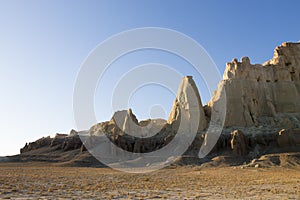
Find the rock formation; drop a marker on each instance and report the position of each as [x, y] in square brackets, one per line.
[181, 102]
[258, 90]
[262, 116]
[60, 141]
[127, 132]
[44, 141]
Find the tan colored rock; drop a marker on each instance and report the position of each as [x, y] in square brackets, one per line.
[73, 133]
[238, 143]
[186, 87]
[61, 135]
[267, 96]
[126, 122]
[258, 90]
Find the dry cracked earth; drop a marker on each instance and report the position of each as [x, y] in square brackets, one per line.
[45, 181]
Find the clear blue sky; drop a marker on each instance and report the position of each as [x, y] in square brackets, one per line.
[43, 44]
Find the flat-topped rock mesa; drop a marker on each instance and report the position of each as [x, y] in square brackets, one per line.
[255, 90]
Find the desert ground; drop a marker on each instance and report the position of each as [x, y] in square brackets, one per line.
[46, 181]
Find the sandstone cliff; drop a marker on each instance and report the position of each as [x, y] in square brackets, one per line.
[255, 90]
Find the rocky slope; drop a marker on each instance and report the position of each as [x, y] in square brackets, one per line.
[262, 118]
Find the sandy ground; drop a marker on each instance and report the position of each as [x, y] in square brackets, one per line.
[39, 181]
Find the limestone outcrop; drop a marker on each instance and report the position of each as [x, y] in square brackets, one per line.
[255, 90]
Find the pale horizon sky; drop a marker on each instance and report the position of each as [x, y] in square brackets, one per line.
[44, 43]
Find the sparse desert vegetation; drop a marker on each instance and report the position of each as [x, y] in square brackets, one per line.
[46, 181]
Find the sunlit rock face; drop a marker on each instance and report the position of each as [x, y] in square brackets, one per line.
[190, 106]
[255, 90]
[261, 103]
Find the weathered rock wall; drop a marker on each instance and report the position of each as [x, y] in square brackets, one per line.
[253, 91]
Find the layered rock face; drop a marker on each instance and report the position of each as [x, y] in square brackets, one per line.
[262, 90]
[63, 142]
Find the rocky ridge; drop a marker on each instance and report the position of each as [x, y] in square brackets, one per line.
[262, 118]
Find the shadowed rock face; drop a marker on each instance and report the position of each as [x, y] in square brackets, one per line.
[238, 143]
[45, 141]
[63, 142]
[288, 138]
